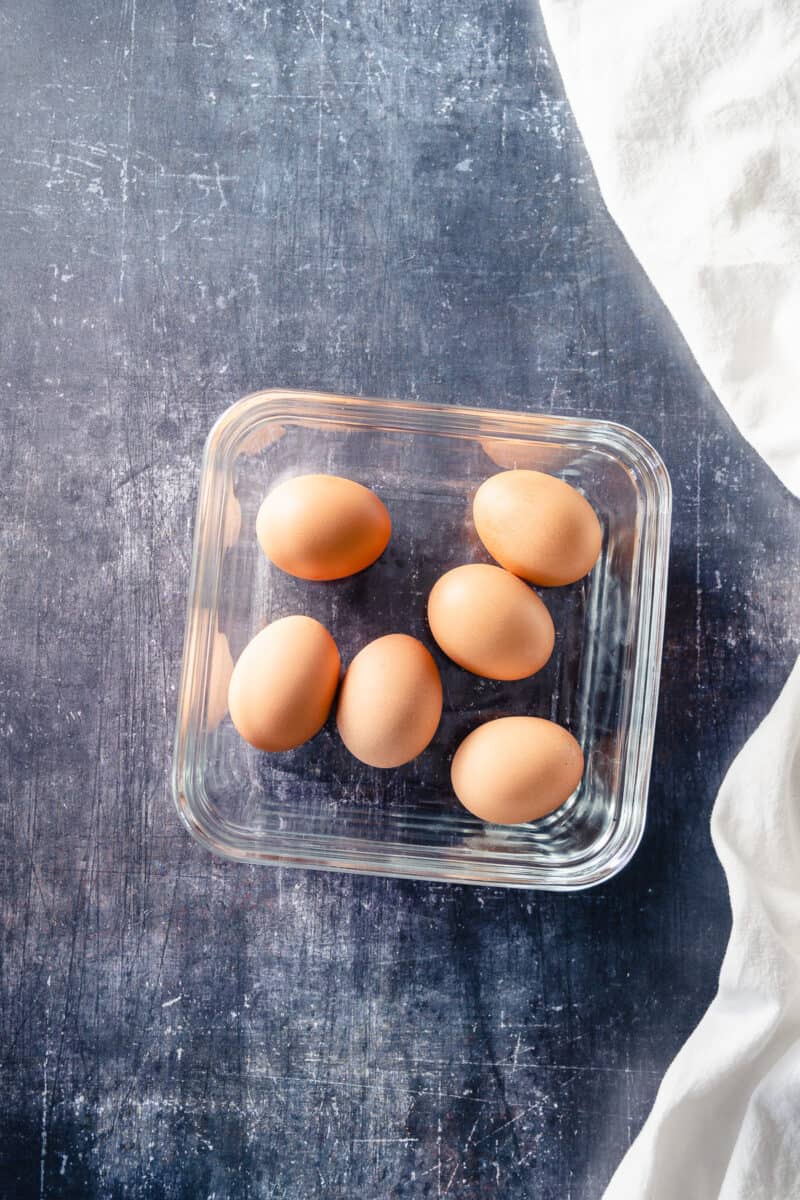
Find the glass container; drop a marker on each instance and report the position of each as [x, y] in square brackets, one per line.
[317, 806]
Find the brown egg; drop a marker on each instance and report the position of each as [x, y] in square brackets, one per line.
[391, 701]
[490, 622]
[322, 527]
[283, 684]
[537, 526]
[516, 769]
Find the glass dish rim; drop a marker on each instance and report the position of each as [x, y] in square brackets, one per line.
[387, 859]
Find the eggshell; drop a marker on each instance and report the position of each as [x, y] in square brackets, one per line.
[390, 703]
[516, 769]
[490, 622]
[322, 527]
[537, 526]
[283, 684]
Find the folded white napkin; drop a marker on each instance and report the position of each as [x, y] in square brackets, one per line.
[690, 110]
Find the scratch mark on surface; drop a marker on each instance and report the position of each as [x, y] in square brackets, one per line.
[223, 203]
[449, 1183]
[124, 164]
[492, 1136]
[386, 1141]
[515, 1057]
[320, 101]
[43, 1148]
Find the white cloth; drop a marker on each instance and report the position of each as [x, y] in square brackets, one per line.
[690, 110]
[726, 1121]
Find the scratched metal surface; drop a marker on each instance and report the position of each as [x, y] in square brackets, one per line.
[197, 200]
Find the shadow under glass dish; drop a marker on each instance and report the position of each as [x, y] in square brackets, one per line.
[319, 807]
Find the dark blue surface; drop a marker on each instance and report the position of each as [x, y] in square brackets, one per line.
[197, 200]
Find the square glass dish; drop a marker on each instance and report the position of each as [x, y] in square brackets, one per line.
[317, 806]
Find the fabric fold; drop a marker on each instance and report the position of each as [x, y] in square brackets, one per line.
[725, 1120]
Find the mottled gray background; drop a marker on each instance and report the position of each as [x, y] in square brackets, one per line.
[196, 200]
